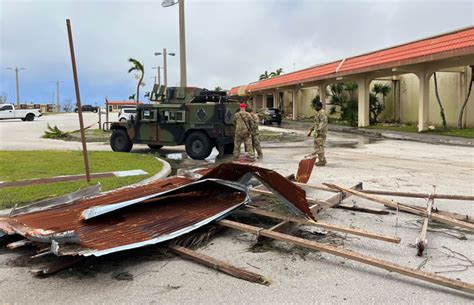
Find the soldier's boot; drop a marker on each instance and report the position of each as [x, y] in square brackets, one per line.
[259, 154]
[321, 160]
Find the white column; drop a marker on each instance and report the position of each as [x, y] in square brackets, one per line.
[363, 92]
[322, 94]
[423, 99]
[264, 100]
[276, 99]
[295, 102]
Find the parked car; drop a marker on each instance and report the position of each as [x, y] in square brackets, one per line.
[271, 115]
[126, 114]
[8, 111]
[88, 108]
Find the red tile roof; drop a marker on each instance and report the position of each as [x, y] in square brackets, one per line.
[123, 103]
[425, 50]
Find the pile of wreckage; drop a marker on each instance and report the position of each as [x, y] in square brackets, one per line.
[90, 223]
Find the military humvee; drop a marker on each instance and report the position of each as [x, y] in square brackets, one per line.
[198, 118]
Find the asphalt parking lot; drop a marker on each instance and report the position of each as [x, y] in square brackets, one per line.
[296, 276]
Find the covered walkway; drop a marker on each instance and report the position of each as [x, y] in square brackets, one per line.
[422, 58]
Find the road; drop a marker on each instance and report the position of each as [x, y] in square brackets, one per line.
[297, 276]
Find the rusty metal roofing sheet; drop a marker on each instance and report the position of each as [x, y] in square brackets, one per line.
[305, 168]
[152, 221]
[294, 195]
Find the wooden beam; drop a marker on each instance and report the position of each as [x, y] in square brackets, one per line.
[419, 195]
[334, 200]
[422, 242]
[219, 265]
[425, 276]
[363, 210]
[406, 208]
[302, 221]
[20, 243]
[461, 217]
[57, 265]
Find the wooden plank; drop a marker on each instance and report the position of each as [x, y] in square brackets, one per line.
[403, 207]
[334, 200]
[20, 243]
[219, 265]
[419, 195]
[425, 276]
[363, 210]
[302, 221]
[422, 242]
[461, 217]
[57, 265]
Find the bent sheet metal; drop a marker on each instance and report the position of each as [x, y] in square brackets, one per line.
[144, 215]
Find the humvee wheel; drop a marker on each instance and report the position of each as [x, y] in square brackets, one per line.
[229, 148]
[198, 146]
[119, 141]
[154, 146]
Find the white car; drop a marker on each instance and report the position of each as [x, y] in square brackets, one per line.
[126, 114]
[8, 111]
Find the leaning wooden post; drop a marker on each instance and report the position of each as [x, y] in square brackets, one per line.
[78, 99]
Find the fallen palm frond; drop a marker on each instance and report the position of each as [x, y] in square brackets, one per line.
[55, 133]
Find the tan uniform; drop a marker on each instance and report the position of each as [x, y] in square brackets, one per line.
[255, 135]
[320, 129]
[244, 125]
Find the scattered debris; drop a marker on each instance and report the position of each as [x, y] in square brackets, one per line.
[179, 208]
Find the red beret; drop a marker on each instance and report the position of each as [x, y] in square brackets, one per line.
[243, 105]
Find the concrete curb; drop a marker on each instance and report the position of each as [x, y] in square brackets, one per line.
[406, 136]
[163, 173]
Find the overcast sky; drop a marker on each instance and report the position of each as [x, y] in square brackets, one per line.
[229, 42]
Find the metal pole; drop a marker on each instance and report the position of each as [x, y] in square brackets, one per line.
[17, 88]
[58, 107]
[106, 113]
[182, 44]
[78, 98]
[165, 68]
[159, 74]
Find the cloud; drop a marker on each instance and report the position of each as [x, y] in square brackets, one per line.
[228, 42]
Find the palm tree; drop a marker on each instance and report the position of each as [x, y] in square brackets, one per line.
[441, 108]
[461, 111]
[264, 75]
[382, 89]
[137, 66]
[350, 87]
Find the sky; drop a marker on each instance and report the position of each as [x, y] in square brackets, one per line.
[228, 42]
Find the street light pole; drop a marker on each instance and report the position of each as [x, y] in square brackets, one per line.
[182, 44]
[158, 74]
[58, 105]
[17, 84]
[182, 38]
[165, 65]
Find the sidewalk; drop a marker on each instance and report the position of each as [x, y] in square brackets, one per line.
[389, 134]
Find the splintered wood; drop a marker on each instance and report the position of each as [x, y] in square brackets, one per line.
[425, 276]
[406, 208]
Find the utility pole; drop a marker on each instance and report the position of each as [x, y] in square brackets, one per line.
[58, 104]
[17, 84]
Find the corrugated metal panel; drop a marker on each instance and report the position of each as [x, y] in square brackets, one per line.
[305, 168]
[293, 194]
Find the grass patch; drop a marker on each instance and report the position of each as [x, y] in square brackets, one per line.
[92, 135]
[21, 165]
[272, 136]
[454, 132]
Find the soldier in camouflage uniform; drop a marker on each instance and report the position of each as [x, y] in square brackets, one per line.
[255, 133]
[320, 128]
[244, 125]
